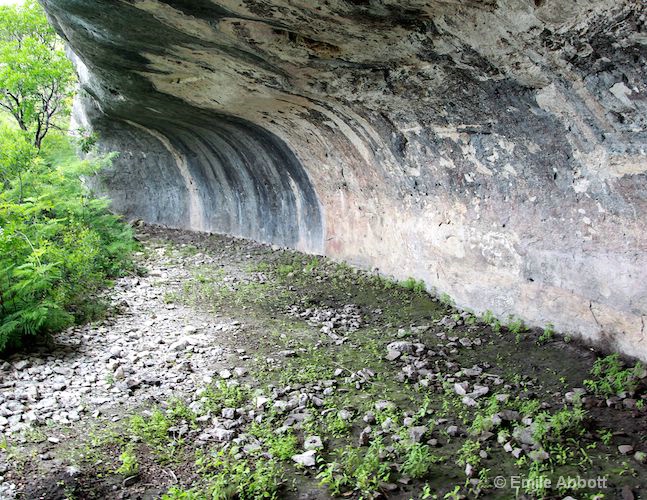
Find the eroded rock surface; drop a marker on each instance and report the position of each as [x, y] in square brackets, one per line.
[495, 149]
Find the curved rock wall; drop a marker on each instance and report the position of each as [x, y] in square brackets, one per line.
[496, 149]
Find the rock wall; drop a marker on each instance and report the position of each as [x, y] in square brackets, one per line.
[496, 149]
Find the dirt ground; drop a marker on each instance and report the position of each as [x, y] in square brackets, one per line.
[229, 369]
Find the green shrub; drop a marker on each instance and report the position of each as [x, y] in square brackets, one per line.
[59, 245]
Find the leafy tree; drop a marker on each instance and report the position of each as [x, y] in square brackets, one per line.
[59, 245]
[36, 78]
[17, 156]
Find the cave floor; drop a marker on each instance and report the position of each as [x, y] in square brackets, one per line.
[229, 369]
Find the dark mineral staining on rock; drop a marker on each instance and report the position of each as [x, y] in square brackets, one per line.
[358, 129]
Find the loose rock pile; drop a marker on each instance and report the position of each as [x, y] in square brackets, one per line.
[152, 350]
[333, 322]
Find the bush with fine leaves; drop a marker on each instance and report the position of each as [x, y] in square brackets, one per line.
[58, 244]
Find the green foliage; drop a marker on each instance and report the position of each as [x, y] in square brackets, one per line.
[312, 265]
[283, 447]
[536, 480]
[284, 270]
[279, 446]
[155, 431]
[469, 453]
[419, 461]
[490, 319]
[152, 430]
[58, 244]
[606, 436]
[554, 428]
[86, 140]
[129, 463]
[16, 154]
[611, 378]
[357, 470]
[414, 285]
[446, 299]
[336, 425]
[528, 407]
[231, 477]
[176, 493]
[548, 334]
[517, 327]
[454, 494]
[179, 411]
[224, 395]
[36, 78]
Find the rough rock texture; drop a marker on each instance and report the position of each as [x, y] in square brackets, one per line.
[496, 149]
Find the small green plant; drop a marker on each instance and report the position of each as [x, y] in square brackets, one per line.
[284, 270]
[34, 435]
[489, 319]
[171, 297]
[536, 480]
[528, 407]
[385, 282]
[223, 395]
[283, 447]
[547, 335]
[279, 446]
[336, 425]
[454, 494]
[176, 493]
[611, 378]
[484, 479]
[471, 319]
[357, 470]
[517, 328]
[469, 453]
[414, 285]
[129, 463]
[312, 265]
[229, 476]
[155, 430]
[419, 461]
[179, 411]
[446, 299]
[554, 428]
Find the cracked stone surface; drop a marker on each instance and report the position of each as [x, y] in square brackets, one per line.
[496, 149]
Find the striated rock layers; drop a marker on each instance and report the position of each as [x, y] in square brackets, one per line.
[496, 149]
